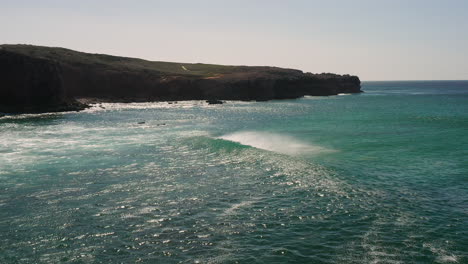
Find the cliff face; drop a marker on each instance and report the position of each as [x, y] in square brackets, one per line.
[30, 85]
[41, 79]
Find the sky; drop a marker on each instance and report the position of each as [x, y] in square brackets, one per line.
[374, 39]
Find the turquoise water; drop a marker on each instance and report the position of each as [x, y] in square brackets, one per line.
[379, 177]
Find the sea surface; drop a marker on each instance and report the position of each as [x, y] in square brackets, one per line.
[377, 177]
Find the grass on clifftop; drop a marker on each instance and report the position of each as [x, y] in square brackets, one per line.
[80, 58]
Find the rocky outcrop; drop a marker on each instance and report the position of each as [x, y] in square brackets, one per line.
[30, 85]
[214, 101]
[42, 79]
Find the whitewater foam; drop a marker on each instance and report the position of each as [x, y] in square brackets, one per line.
[274, 142]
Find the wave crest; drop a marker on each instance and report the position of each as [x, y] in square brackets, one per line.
[274, 142]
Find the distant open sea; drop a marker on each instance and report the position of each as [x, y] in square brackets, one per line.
[377, 177]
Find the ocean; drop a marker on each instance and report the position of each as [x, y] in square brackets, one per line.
[377, 177]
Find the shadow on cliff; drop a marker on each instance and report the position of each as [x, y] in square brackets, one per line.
[42, 79]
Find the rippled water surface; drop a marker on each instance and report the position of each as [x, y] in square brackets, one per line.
[379, 177]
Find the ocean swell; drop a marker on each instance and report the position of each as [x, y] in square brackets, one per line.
[274, 142]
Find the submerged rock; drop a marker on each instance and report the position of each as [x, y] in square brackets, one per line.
[214, 101]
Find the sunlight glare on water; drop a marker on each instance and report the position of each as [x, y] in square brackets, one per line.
[378, 177]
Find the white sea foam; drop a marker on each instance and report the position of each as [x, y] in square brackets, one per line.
[274, 142]
[443, 256]
[236, 206]
[149, 105]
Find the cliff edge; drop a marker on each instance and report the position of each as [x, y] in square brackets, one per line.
[42, 79]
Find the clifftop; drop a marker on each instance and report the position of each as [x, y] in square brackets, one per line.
[133, 64]
[38, 79]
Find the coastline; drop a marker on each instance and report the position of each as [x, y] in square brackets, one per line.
[41, 79]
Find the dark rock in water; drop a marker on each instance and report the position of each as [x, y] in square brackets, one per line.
[213, 101]
[37, 79]
[162, 124]
[141, 123]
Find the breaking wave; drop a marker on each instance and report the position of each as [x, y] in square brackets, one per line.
[274, 142]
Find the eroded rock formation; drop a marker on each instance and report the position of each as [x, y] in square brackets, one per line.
[42, 79]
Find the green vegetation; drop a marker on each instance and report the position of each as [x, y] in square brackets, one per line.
[100, 60]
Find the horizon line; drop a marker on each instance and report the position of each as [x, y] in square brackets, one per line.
[222, 64]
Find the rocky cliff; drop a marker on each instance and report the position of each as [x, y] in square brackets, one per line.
[43, 79]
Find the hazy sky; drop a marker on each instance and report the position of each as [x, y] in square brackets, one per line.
[376, 40]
